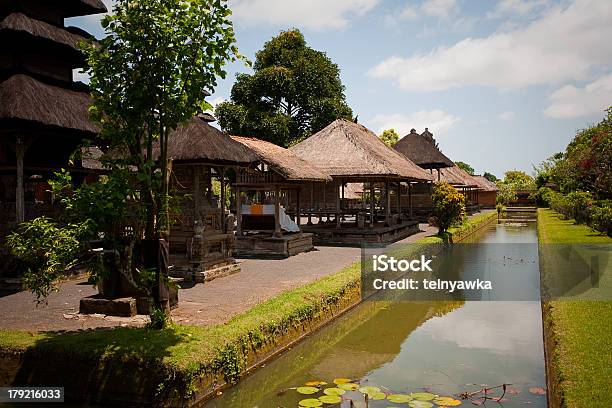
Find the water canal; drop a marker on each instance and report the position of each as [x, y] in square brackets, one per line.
[440, 347]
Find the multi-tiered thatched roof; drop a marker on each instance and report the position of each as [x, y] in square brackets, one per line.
[27, 99]
[348, 150]
[423, 150]
[283, 161]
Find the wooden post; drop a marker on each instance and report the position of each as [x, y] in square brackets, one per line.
[222, 199]
[387, 203]
[438, 174]
[238, 212]
[372, 204]
[410, 199]
[196, 193]
[338, 202]
[324, 203]
[19, 191]
[312, 186]
[399, 198]
[299, 216]
[277, 227]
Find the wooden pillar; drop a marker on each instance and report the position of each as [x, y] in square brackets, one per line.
[298, 220]
[410, 199]
[196, 193]
[222, 199]
[238, 212]
[20, 190]
[372, 204]
[277, 227]
[387, 203]
[399, 198]
[338, 202]
[438, 174]
[324, 202]
[312, 186]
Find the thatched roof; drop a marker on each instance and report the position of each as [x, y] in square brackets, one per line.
[422, 150]
[347, 149]
[197, 141]
[26, 98]
[486, 185]
[83, 7]
[353, 191]
[22, 23]
[457, 176]
[285, 162]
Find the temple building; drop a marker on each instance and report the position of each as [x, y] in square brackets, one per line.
[44, 114]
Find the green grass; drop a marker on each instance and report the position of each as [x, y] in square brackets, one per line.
[178, 355]
[581, 360]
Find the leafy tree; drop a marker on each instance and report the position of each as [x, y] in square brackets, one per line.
[491, 177]
[389, 137]
[506, 192]
[469, 169]
[448, 206]
[520, 180]
[295, 91]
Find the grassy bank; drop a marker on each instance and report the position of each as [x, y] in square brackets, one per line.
[577, 331]
[177, 359]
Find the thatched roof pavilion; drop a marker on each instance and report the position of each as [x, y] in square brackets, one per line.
[290, 166]
[423, 150]
[485, 184]
[349, 150]
[198, 142]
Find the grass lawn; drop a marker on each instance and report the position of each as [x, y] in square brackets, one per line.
[581, 361]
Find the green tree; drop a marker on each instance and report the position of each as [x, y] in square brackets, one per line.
[448, 206]
[294, 91]
[389, 137]
[520, 180]
[506, 192]
[491, 177]
[469, 169]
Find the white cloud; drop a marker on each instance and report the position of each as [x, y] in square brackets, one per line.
[565, 44]
[315, 14]
[517, 7]
[572, 102]
[432, 8]
[509, 115]
[438, 121]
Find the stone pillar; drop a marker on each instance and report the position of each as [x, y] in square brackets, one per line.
[222, 199]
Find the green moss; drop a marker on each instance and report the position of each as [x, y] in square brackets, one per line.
[580, 360]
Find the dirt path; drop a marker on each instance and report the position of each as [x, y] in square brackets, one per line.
[202, 304]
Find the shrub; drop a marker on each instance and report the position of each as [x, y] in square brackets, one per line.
[601, 219]
[579, 204]
[448, 206]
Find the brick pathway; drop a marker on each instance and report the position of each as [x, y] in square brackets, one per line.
[202, 304]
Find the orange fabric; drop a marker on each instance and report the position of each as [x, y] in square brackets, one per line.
[257, 209]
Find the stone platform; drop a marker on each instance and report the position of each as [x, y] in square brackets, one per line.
[266, 246]
[351, 235]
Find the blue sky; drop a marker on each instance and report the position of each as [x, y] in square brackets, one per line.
[501, 84]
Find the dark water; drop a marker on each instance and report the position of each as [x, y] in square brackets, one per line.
[442, 347]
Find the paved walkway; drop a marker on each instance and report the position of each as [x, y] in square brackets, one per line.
[202, 304]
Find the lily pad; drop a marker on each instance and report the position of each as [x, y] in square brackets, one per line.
[330, 399]
[342, 380]
[423, 396]
[310, 402]
[369, 389]
[348, 386]
[334, 391]
[315, 383]
[537, 390]
[420, 404]
[446, 401]
[307, 390]
[377, 395]
[399, 398]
